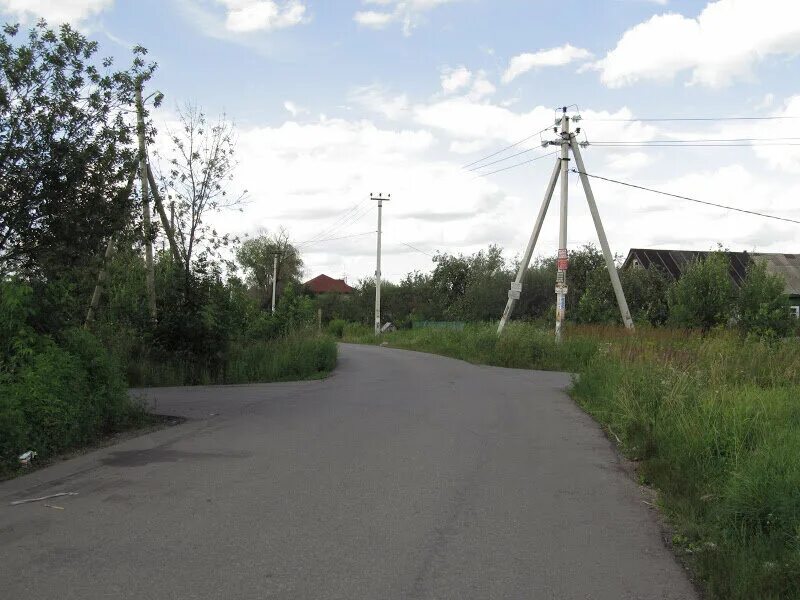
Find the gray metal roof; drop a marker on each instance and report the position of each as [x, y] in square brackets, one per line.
[674, 262]
[785, 265]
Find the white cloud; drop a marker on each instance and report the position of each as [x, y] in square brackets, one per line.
[553, 57]
[293, 108]
[54, 11]
[481, 87]
[262, 15]
[377, 99]
[722, 44]
[455, 79]
[407, 12]
[319, 170]
[373, 19]
[766, 102]
[627, 162]
[781, 158]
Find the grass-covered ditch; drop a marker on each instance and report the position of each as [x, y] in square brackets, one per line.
[713, 423]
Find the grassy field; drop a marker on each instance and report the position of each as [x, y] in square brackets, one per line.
[713, 423]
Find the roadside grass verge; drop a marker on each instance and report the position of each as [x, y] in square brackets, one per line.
[294, 357]
[713, 423]
[521, 346]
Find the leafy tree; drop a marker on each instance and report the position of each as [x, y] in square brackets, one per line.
[703, 297]
[646, 291]
[66, 151]
[470, 288]
[762, 308]
[538, 297]
[449, 279]
[256, 257]
[583, 263]
[294, 311]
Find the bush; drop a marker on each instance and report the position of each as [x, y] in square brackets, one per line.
[763, 306]
[703, 297]
[336, 328]
[55, 394]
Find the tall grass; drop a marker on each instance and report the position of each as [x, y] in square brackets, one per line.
[521, 346]
[712, 421]
[715, 426]
[297, 356]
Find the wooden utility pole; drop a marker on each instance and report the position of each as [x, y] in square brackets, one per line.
[167, 223]
[150, 278]
[102, 274]
[98, 288]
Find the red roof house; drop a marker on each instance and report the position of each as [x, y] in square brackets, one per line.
[322, 284]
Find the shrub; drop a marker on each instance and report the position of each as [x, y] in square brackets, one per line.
[703, 297]
[763, 306]
[336, 328]
[55, 394]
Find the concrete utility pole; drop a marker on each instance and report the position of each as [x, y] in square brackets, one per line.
[380, 200]
[274, 279]
[601, 233]
[150, 279]
[563, 259]
[566, 142]
[516, 286]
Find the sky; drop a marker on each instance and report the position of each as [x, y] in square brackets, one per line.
[335, 100]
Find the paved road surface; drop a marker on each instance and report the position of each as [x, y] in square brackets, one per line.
[404, 475]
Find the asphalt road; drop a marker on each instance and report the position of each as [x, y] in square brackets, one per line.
[404, 475]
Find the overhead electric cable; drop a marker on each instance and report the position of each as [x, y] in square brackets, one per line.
[344, 237]
[349, 220]
[417, 249]
[336, 223]
[697, 140]
[646, 189]
[518, 164]
[702, 145]
[514, 145]
[658, 119]
[499, 160]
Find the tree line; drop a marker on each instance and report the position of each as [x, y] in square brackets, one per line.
[473, 288]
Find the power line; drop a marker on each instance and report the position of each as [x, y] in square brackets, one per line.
[499, 160]
[659, 119]
[518, 164]
[698, 141]
[685, 145]
[337, 223]
[344, 224]
[514, 145]
[646, 189]
[344, 237]
[417, 249]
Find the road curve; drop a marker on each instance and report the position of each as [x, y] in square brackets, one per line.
[403, 475]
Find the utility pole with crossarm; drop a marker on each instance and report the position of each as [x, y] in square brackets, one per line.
[568, 144]
[380, 199]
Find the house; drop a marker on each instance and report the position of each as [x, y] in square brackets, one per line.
[322, 284]
[675, 262]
